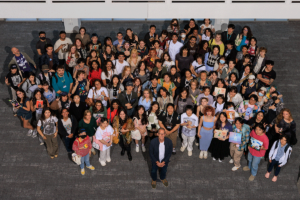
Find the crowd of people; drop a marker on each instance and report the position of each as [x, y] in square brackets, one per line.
[211, 89]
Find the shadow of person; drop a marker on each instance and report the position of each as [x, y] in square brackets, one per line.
[6, 69]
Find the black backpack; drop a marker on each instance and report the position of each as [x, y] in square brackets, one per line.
[56, 79]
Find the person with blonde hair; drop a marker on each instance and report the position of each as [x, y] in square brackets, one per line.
[126, 75]
[134, 59]
[89, 124]
[147, 99]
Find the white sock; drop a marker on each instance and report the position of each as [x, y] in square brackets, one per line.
[137, 145]
[143, 144]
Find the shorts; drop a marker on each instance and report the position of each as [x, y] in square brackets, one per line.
[26, 116]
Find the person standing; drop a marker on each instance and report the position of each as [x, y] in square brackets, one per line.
[173, 46]
[62, 81]
[160, 153]
[61, 47]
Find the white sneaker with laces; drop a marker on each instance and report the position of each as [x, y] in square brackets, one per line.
[201, 155]
[102, 163]
[231, 161]
[29, 133]
[190, 153]
[214, 159]
[182, 149]
[108, 160]
[34, 133]
[143, 149]
[137, 148]
[205, 154]
[220, 160]
[235, 168]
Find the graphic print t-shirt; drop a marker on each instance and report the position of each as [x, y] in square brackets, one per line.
[68, 125]
[104, 135]
[192, 121]
[48, 125]
[81, 90]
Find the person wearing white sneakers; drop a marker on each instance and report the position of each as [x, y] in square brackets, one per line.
[82, 147]
[189, 122]
[140, 122]
[220, 146]
[104, 138]
[237, 150]
[205, 130]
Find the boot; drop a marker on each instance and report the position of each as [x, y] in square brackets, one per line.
[122, 152]
[129, 156]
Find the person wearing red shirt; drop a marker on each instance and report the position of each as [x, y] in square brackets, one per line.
[256, 153]
[95, 72]
[113, 110]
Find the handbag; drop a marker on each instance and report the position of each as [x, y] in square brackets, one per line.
[76, 158]
[95, 144]
[136, 135]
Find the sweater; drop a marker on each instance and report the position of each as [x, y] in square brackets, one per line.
[77, 112]
[90, 128]
[86, 144]
[14, 61]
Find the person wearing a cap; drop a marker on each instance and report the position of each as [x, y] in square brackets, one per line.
[46, 75]
[22, 61]
[50, 58]
[82, 147]
[14, 79]
[249, 87]
[94, 44]
[267, 75]
[129, 99]
[61, 46]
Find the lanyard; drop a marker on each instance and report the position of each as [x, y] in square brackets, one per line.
[129, 99]
[229, 36]
[170, 118]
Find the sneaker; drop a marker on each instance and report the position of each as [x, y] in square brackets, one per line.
[220, 160]
[29, 133]
[108, 160]
[165, 182]
[51, 157]
[42, 143]
[137, 149]
[182, 149]
[56, 156]
[34, 133]
[196, 143]
[214, 159]
[190, 153]
[174, 152]
[91, 167]
[153, 184]
[102, 163]
[82, 172]
[201, 155]
[246, 168]
[143, 149]
[251, 178]
[231, 161]
[235, 168]
[205, 154]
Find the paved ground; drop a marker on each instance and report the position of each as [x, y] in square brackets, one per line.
[26, 172]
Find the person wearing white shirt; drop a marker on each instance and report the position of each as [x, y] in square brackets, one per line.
[173, 46]
[98, 93]
[160, 152]
[120, 63]
[234, 96]
[61, 46]
[104, 139]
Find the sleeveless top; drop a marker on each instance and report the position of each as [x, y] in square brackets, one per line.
[208, 124]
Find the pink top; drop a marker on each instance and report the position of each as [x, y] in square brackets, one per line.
[263, 139]
[86, 143]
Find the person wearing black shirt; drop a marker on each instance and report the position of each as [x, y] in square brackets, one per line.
[267, 75]
[170, 121]
[77, 108]
[42, 43]
[50, 58]
[229, 35]
[129, 99]
[14, 80]
[150, 36]
[189, 28]
[230, 52]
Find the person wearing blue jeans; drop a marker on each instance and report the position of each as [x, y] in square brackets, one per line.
[160, 152]
[253, 163]
[85, 159]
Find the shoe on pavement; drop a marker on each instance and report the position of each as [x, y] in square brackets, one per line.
[91, 167]
[251, 178]
[56, 156]
[201, 155]
[246, 168]
[231, 161]
[34, 133]
[82, 172]
[182, 149]
[214, 159]
[29, 133]
[190, 153]
[235, 168]
[220, 160]
[143, 149]
[165, 182]
[174, 152]
[153, 184]
[205, 154]
[102, 163]
[42, 143]
[108, 160]
[137, 148]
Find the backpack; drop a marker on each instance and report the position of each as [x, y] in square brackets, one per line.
[285, 149]
[56, 79]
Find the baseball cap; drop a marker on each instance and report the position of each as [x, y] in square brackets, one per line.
[13, 67]
[45, 67]
[129, 83]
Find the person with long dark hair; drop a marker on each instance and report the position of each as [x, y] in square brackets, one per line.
[98, 111]
[164, 99]
[67, 127]
[211, 58]
[182, 100]
[259, 118]
[140, 121]
[114, 88]
[108, 71]
[95, 72]
[152, 115]
[123, 125]
[49, 132]
[243, 38]
[113, 110]
[24, 110]
[183, 60]
[220, 146]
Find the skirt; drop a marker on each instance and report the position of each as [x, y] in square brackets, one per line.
[219, 149]
[206, 137]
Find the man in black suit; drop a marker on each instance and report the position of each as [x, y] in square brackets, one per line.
[229, 35]
[150, 36]
[160, 153]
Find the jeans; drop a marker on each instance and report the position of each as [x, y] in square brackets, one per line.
[163, 172]
[253, 163]
[130, 112]
[272, 164]
[69, 143]
[85, 159]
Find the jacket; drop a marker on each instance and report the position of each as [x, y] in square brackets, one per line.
[85, 144]
[61, 129]
[287, 153]
[224, 37]
[154, 150]
[148, 85]
[123, 99]
[14, 61]
[45, 59]
[279, 106]
[245, 136]
[26, 85]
